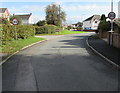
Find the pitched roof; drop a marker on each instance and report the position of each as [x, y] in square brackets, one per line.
[25, 16]
[94, 16]
[90, 18]
[2, 10]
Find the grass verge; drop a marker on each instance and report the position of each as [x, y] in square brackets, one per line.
[13, 46]
[65, 32]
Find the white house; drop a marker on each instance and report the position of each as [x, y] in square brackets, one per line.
[4, 13]
[91, 23]
[26, 18]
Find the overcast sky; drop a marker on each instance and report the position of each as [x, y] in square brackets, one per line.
[77, 10]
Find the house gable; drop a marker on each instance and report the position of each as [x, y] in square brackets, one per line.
[4, 13]
[25, 18]
[91, 22]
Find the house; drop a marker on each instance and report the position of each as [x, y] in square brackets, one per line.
[79, 24]
[25, 18]
[4, 13]
[75, 25]
[91, 23]
[117, 20]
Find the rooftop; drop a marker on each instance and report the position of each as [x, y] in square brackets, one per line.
[2, 10]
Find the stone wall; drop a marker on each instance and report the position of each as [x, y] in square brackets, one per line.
[103, 34]
[116, 40]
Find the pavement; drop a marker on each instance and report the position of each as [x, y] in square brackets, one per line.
[50, 37]
[61, 64]
[103, 48]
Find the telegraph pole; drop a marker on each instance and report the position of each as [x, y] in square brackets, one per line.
[112, 19]
[59, 15]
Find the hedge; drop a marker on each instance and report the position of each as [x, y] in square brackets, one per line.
[23, 32]
[47, 29]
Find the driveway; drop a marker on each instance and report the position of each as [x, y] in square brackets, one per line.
[61, 64]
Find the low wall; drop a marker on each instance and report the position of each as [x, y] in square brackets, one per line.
[116, 40]
[103, 34]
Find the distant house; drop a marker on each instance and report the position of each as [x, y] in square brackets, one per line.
[4, 13]
[25, 18]
[117, 20]
[91, 23]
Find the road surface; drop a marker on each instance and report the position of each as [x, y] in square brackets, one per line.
[62, 64]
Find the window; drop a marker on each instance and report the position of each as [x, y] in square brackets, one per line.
[95, 21]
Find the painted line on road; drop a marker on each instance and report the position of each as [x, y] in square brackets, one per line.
[108, 60]
[21, 50]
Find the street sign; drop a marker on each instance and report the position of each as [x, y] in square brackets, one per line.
[14, 21]
[111, 15]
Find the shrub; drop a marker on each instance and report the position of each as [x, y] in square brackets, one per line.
[23, 32]
[47, 29]
[4, 21]
[41, 23]
[79, 28]
[104, 26]
[69, 27]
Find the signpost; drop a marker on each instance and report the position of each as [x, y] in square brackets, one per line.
[15, 22]
[111, 16]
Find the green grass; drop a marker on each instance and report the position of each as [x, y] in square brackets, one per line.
[65, 32]
[13, 46]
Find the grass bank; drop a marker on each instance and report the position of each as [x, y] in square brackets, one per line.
[13, 46]
[65, 32]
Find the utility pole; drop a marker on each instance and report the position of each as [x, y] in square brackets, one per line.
[59, 15]
[111, 36]
[111, 19]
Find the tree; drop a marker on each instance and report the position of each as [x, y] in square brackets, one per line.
[103, 17]
[15, 17]
[104, 26]
[41, 23]
[79, 24]
[54, 15]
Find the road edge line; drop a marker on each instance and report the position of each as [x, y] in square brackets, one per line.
[107, 59]
[2, 62]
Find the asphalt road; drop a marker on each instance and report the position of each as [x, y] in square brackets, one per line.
[62, 64]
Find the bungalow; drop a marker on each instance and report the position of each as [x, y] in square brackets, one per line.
[91, 23]
[4, 13]
[25, 18]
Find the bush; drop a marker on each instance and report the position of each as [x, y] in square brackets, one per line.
[41, 23]
[23, 32]
[4, 21]
[79, 28]
[104, 26]
[47, 29]
[69, 27]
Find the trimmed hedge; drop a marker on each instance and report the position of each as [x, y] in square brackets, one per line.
[47, 29]
[23, 32]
